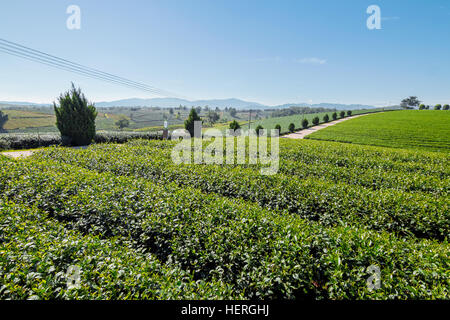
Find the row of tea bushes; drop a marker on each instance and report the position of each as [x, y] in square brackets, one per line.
[404, 213]
[37, 254]
[16, 141]
[256, 252]
[404, 170]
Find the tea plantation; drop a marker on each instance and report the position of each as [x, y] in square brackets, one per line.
[409, 129]
[140, 227]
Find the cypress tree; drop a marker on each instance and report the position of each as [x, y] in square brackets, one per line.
[75, 117]
[189, 122]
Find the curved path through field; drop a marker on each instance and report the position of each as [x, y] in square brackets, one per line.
[27, 153]
[305, 132]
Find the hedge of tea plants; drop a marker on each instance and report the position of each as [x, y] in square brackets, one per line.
[37, 252]
[32, 140]
[135, 237]
[406, 213]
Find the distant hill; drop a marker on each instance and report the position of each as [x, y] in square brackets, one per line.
[27, 104]
[175, 102]
[220, 103]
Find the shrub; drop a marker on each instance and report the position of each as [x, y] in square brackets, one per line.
[234, 125]
[122, 137]
[3, 120]
[278, 127]
[30, 141]
[259, 128]
[305, 123]
[422, 107]
[349, 113]
[316, 121]
[342, 114]
[75, 117]
[292, 127]
[189, 122]
[334, 115]
[326, 118]
[250, 249]
[437, 107]
[446, 107]
[122, 123]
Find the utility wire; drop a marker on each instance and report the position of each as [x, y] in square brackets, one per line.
[66, 68]
[76, 65]
[63, 64]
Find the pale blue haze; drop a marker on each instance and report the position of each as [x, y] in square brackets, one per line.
[272, 52]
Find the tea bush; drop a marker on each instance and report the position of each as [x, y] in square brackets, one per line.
[208, 246]
[331, 203]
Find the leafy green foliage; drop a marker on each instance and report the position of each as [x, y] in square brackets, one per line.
[122, 123]
[349, 113]
[305, 123]
[437, 107]
[285, 121]
[411, 101]
[402, 212]
[291, 127]
[213, 117]
[234, 125]
[446, 107]
[334, 116]
[259, 129]
[278, 127]
[198, 245]
[75, 117]
[342, 114]
[411, 129]
[189, 122]
[3, 120]
[326, 118]
[316, 121]
[30, 141]
[39, 251]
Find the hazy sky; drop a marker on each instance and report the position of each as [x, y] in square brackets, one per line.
[270, 52]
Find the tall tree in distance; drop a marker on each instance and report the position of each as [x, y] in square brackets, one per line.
[189, 122]
[75, 117]
[213, 117]
[3, 120]
[122, 123]
[411, 101]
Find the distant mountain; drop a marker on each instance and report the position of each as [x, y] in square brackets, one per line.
[220, 103]
[175, 102]
[19, 103]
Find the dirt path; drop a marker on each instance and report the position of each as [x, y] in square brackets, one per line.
[27, 153]
[303, 133]
[18, 154]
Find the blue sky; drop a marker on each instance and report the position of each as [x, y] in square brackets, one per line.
[271, 52]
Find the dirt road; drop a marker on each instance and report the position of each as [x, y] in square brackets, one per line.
[303, 133]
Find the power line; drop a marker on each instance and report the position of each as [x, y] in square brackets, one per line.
[46, 56]
[63, 64]
[66, 68]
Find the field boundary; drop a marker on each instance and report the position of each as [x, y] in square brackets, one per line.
[28, 153]
[305, 132]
